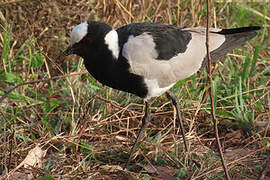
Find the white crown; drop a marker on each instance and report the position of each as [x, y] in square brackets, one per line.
[78, 33]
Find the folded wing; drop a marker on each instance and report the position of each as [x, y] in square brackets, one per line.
[165, 54]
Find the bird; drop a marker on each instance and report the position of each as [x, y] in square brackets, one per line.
[146, 59]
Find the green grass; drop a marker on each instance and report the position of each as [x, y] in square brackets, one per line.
[87, 128]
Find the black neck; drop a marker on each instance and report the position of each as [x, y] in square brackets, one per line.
[114, 72]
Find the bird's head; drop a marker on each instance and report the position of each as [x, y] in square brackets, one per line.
[90, 38]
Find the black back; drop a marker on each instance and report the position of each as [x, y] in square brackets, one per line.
[170, 40]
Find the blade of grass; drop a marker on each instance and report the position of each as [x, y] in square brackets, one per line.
[241, 101]
[215, 92]
[254, 60]
[6, 46]
[95, 14]
[244, 73]
[237, 105]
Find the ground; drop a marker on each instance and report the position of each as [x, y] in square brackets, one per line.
[80, 129]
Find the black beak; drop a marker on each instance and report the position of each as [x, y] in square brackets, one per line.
[67, 52]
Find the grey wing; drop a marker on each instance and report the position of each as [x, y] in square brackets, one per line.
[142, 55]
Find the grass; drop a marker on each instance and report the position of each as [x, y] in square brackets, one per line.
[88, 129]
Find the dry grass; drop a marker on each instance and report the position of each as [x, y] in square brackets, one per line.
[88, 129]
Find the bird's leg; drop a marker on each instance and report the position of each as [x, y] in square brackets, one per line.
[145, 120]
[175, 103]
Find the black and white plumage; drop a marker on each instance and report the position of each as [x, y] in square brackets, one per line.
[147, 59]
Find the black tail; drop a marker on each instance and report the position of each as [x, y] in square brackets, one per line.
[233, 38]
[239, 30]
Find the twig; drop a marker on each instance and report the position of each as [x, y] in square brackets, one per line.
[121, 6]
[266, 169]
[257, 13]
[230, 164]
[37, 81]
[10, 148]
[10, 2]
[209, 70]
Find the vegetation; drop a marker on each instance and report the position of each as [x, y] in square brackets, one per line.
[88, 129]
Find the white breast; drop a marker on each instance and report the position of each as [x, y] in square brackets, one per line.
[153, 88]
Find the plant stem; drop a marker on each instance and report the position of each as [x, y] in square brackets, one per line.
[210, 78]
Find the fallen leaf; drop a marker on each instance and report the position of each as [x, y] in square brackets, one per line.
[200, 150]
[121, 138]
[235, 154]
[164, 172]
[113, 168]
[33, 159]
[234, 134]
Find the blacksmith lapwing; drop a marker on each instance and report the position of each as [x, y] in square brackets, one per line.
[147, 59]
